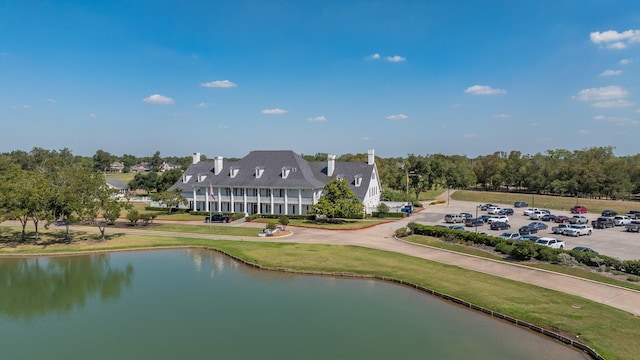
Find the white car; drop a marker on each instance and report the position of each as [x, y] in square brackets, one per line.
[530, 211]
[498, 218]
[510, 235]
[621, 220]
[550, 242]
[493, 210]
[538, 214]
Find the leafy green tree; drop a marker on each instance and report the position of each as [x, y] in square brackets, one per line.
[142, 181]
[383, 210]
[172, 199]
[167, 179]
[102, 160]
[338, 200]
[284, 221]
[156, 161]
[133, 216]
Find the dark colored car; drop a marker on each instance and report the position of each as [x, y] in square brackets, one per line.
[506, 211]
[609, 213]
[499, 225]
[579, 210]
[527, 230]
[467, 215]
[520, 204]
[484, 217]
[529, 237]
[548, 217]
[584, 249]
[603, 223]
[561, 219]
[538, 225]
[474, 222]
[217, 218]
[485, 206]
[456, 227]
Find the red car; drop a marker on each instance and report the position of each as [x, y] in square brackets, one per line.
[561, 219]
[579, 210]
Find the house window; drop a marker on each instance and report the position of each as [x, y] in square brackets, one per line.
[358, 180]
[259, 171]
[233, 172]
[286, 170]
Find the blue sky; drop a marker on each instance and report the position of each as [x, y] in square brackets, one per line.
[400, 77]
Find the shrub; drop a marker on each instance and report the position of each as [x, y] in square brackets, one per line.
[133, 216]
[633, 278]
[284, 221]
[546, 253]
[270, 226]
[566, 259]
[383, 210]
[437, 202]
[505, 247]
[402, 232]
[524, 250]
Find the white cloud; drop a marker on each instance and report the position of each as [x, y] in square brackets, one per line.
[202, 105]
[219, 84]
[317, 118]
[584, 132]
[618, 121]
[21, 107]
[158, 99]
[502, 116]
[612, 103]
[93, 116]
[395, 58]
[599, 117]
[638, 110]
[375, 56]
[50, 100]
[470, 136]
[625, 61]
[610, 72]
[615, 40]
[484, 90]
[275, 111]
[397, 117]
[601, 93]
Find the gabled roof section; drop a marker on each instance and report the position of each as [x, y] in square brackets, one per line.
[117, 184]
[349, 171]
[273, 161]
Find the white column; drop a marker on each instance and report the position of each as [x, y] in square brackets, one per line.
[206, 198]
[195, 203]
[231, 205]
[299, 201]
[244, 200]
[271, 194]
[219, 201]
[286, 201]
[259, 205]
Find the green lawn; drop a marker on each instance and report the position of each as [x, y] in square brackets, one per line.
[613, 333]
[347, 225]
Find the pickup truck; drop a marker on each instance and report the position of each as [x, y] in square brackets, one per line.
[579, 219]
[578, 230]
[603, 223]
[550, 242]
[634, 226]
[560, 228]
[217, 218]
[634, 214]
[621, 220]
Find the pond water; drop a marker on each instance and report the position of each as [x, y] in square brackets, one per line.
[185, 304]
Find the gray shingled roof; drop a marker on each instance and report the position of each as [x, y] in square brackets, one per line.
[118, 184]
[303, 174]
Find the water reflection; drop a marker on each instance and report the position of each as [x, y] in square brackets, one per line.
[35, 287]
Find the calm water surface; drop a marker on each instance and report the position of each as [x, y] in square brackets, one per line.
[188, 304]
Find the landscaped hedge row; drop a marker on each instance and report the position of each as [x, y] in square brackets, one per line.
[524, 250]
[166, 209]
[388, 215]
[234, 216]
[278, 216]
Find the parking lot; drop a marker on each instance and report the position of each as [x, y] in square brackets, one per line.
[615, 242]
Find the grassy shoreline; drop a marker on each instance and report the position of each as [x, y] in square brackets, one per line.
[613, 333]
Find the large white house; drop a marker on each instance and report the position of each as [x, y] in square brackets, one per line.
[273, 182]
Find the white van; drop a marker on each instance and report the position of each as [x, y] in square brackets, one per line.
[454, 218]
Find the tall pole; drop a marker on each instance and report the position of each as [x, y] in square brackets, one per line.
[407, 188]
[476, 226]
[448, 198]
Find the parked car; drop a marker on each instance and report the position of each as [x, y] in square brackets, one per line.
[621, 220]
[498, 225]
[634, 214]
[609, 213]
[527, 230]
[603, 223]
[633, 226]
[539, 225]
[579, 210]
[520, 204]
[548, 217]
[457, 227]
[474, 222]
[498, 218]
[510, 235]
[585, 249]
[579, 219]
[537, 215]
[550, 242]
[528, 237]
[578, 230]
[454, 218]
[529, 211]
[484, 207]
[493, 210]
[217, 218]
[506, 211]
[485, 217]
[466, 215]
[559, 229]
[561, 219]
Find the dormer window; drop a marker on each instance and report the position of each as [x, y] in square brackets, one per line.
[201, 177]
[358, 180]
[233, 171]
[340, 177]
[186, 178]
[286, 170]
[259, 171]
